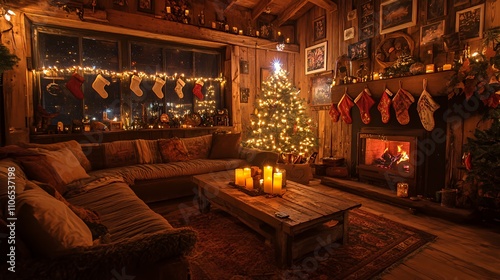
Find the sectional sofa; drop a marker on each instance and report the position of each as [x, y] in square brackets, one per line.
[81, 210]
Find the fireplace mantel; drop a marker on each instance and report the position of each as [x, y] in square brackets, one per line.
[436, 85]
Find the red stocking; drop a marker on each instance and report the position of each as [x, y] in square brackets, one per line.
[334, 113]
[345, 105]
[384, 106]
[197, 89]
[401, 102]
[364, 102]
[75, 85]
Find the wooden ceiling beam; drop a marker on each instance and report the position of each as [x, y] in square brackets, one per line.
[328, 5]
[289, 12]
[230, 5]
[260, 8]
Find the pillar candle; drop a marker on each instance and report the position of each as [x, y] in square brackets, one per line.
[277, 181]
[247, 172]
[249, 183]
[239, 178]
[268, 179]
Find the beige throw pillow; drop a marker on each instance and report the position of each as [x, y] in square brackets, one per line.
[48, 225]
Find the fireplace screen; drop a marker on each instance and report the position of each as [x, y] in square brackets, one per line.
[387, 152]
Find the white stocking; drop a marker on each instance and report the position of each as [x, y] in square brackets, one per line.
[98, 85]
[134, 85]
[157, 87]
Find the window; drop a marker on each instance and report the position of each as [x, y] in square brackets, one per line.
[136, 101]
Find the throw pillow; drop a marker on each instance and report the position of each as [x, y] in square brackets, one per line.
[57, 168]
[148, 151]
[120, 153]
[198, 147]
[72, 145]
[225, 146]
[47, 225]
[90, 217]
[172, 150]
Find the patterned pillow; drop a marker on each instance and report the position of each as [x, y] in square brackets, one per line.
[120, 153]
[72, 145]
[198, 147]
[172, 150]
[148, 151]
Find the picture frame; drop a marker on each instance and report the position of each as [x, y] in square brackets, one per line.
[321, 89]
[146, 6]
[244, 67]
[319, 27]
[359, 50]
[316, 58]
[366, 32]
[469, 23]
[367, 9]
[349, 33]
[366, 21]
[436, 9]
[432, 33]
[351, 15]
[244, 94]
[397, 14]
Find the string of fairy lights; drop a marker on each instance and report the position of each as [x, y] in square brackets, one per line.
[54, 71]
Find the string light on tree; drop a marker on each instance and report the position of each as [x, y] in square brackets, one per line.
[279, 122]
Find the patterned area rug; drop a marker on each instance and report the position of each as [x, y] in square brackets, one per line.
[228, 249]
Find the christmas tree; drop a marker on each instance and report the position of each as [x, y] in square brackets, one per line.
[279, 122]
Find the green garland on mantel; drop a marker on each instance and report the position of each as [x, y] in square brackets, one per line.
[7, 60]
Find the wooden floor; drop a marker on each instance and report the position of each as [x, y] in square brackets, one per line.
[459, 252]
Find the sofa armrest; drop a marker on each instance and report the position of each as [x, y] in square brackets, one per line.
[258, 157]
[106, 261]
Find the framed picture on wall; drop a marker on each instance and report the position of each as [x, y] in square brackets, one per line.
[359, 50]
[431, 33]
[146, 6]
[316, 58]
[436, 9]
[244, 94]
[397, 14]
[321, 89]
[319, 28]
[469, 22]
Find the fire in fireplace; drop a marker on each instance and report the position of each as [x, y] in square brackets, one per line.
[387, 157]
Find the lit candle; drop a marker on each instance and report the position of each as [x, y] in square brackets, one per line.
[186, 12]
[257, 33]
[235, 30]
[247, 172]
[213, 24]
[277, 181]
[226, 27]
[288, 40]
[239, 179]
[169, 10]
[268, 179]
[376, 76]
[447, 67]
[240, 32]
[249, 183]
[429, 68]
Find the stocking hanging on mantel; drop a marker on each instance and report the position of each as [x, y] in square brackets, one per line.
[426, 107]
[157, 87]
[178, 87]
[334, 112]
[364, 101]
[401, 102]
[384, 105]
[345, 105]
[98, 85]
[134, 85]
[75, 85]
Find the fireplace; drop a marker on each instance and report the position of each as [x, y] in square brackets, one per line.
[389, 156]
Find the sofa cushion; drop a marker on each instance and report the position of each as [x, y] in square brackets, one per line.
[120, 210]
[225, 146]
[148, 151]
[168, 170]
[72, 145]
[47, 225]
[120, 153]
[198, 147]
[58, 167]
[172, 150]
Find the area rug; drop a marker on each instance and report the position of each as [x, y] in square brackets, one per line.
[228, 249]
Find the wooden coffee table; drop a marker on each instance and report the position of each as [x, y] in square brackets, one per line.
[315, 214]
